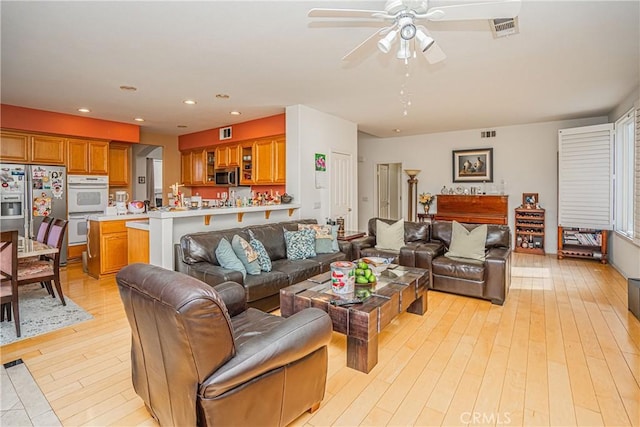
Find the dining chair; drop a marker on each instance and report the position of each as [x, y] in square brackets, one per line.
[9, 277]
[43, 230]
[47, 269]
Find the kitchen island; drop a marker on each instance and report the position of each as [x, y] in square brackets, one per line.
[167, 227]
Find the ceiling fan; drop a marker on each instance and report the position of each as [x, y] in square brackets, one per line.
[405, 16]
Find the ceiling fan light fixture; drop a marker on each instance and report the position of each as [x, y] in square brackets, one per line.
[404, 51]
[408, 31]
[384, 44]
[424, 40]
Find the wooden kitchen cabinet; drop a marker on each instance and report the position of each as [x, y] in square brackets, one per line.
[228, 156]
[194, 167]
[27, 148]
[107, 247]
[87, 157]
[270, 160]
[119, 164]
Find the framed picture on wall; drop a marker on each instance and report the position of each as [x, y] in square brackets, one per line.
[473, 165]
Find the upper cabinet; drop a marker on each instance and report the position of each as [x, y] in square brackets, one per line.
[227, 156]
[119, 164]
[25, 148]
[197, 167]
[269, 160]
[86, 157]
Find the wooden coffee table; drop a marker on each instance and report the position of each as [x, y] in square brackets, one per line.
[398, 289]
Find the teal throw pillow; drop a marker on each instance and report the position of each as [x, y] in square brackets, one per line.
[334, 234]
[263, 257]
[300, 244]
[246, 254]
[467, 244]
[228, 259]
[324, 237]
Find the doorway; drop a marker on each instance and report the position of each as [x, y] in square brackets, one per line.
[341, 188]
[389, 190]
[147, 172]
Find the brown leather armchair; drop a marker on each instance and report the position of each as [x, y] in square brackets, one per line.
[488, 280]
[415, 234]
[200, 356]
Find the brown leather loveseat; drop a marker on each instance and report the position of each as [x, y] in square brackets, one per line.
[199, 356]
[415, 234]
[488, 280]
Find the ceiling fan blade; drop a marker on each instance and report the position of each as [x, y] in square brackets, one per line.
[434, 54]
[344, 13]
[380, 32]
[483, 10]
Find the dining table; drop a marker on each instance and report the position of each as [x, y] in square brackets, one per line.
[30, 248]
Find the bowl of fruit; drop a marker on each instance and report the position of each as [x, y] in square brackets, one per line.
[377, 264]
[365, 276]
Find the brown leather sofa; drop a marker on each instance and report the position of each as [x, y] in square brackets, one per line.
[195, 256]
[199, 356]
[488, 280]
[415, 234]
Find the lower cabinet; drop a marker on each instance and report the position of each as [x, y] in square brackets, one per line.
[107, 247]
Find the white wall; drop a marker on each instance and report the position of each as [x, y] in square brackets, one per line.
[308, 132]
[525, 156]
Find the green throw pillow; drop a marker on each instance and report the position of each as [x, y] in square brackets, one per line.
[246, 254]
[228, 259]
[389, 236]
[300, 244]
[467, 244]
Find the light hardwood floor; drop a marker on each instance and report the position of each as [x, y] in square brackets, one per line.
[563, 350]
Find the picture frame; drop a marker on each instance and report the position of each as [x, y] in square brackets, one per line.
[530, 200]
[473, 165]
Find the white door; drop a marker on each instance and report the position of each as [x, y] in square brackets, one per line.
[342, 183]
[383, 191]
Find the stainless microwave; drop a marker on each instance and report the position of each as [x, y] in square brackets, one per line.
[229, 177]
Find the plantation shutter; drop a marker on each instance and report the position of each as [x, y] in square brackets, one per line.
[585, 184]
[636, 210]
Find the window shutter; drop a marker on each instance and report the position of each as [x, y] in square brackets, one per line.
[636, 210]
[585, 167]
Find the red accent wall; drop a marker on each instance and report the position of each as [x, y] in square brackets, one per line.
[28, 119]
[268, 126]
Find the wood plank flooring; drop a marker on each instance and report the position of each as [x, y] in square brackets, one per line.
[563, 350]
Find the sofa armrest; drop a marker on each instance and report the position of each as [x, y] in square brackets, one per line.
[213, 274]
[362, 243]
[289, 341]
[498, 271]
[234, 297]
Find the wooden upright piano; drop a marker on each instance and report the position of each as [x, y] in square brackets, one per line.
[473, 209]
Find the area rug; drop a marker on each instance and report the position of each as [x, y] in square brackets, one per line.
[39, 314]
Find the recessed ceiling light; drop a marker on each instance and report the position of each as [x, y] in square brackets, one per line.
[139, 119]
[182, 126]
[397, 130]
[189, 102]
[235, 113]
[129, 88]
[222, 96]
[84, 110]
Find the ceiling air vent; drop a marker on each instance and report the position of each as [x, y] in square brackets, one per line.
[225, 133]
[502, 27]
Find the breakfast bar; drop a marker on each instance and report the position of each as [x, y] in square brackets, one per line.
[166, 227]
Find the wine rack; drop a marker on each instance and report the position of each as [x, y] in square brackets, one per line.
[529, 236]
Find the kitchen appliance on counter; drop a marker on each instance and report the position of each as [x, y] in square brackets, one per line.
[28, 194]
[230, 176]
[88, 195]
[122, 197]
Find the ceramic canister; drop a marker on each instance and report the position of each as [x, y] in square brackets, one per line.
[343, 277]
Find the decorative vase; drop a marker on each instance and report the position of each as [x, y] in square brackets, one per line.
[426, 208]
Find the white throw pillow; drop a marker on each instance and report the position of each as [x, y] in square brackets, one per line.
[389, 236]
[467, 244]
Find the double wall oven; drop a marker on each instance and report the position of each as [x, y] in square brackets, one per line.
[87, 195]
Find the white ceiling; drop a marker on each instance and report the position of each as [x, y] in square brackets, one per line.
[571, 59]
